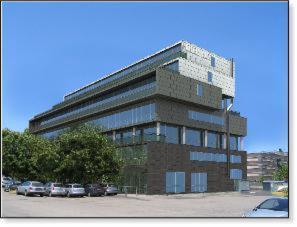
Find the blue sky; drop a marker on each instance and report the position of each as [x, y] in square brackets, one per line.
[50, 49]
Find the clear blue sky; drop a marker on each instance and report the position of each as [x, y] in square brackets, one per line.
[50, 49]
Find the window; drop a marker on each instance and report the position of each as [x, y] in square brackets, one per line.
[236, 174]
[207, 157]
[175, 182]
[212, 140]
[194, 137]
[103, 100]
[198, 182]
[171, 133]
[172, 66]
[235, 159]
[199, 90]
[205, 117]
[233, 143]
[213, 61]
[209, 77]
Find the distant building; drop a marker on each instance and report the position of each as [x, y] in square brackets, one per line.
[263, 164]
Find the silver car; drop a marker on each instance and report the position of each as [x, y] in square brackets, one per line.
[272, 207]
[110, 189]
[74, 190]
[30, 188]
[54, 189]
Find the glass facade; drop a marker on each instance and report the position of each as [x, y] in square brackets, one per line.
[208, 157]
[194, 137]
[132, 116]
[173, 66]
[102, 100]
[233, 143]
[205, 117]
[236, 174]
[133, 155]
[52, 134]
[172, 133]
[138, 66]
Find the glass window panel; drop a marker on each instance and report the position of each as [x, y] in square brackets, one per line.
[233, 142]
[212, 139]
[193, 137]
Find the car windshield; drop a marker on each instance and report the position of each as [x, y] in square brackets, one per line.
[112, 185]
[275, 204]
[37, 184]
[57, 185]
[77, 186]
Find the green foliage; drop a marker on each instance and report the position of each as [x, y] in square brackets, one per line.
[261, 179]
[281, 173]
[81, 154]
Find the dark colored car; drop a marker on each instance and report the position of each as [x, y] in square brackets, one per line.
[94, 190]
[12, 185]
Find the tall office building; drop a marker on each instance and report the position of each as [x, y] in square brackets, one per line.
[169, 115]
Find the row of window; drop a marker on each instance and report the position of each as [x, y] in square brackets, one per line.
[169, 133]
[213, 157]
[126, 71]
[175, 181]
[121, 93]
[194, 115]
[132, 116]
[208, 157]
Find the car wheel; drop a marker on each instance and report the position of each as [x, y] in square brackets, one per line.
[115, 193]
[41, 195]
[89, 194]
[26, 194]
[17, 192]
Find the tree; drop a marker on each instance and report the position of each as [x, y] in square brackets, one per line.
[281, 173]
[27, 156]
[86, 155]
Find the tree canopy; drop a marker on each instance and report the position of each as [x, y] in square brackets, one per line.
[80, 154]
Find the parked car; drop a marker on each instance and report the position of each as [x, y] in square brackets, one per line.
[30, 188]
[12, 185]
[272, 207]
[110, 189]
[94, 190]
[54, 189]
[74, 190]
[6, 180]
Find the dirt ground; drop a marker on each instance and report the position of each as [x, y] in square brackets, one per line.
[228, 204]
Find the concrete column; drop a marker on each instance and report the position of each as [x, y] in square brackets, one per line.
[133, 131]
[205, 138]
[113, 135]
[158, 128]
[184, 135]
[224, 141]
[241, 143]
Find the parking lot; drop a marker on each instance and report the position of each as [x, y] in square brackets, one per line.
[228, 204]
